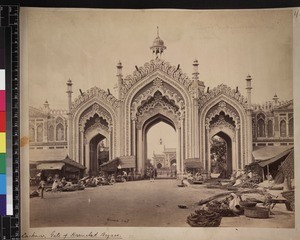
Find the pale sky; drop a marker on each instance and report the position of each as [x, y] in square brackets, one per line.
[85, 46]
[164, 132]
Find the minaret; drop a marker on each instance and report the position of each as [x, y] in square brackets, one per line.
[120, 78]
[275, 99]
[249, 121]
[46, 107]
[198, 85]
[198, 88]
[69, 92]
[158, 46]
[248, 88]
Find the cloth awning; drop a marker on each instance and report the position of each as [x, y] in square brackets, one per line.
[69, 164]
[274, 159]
[50, 166]
[268, 152]
[110, 166]
[193, 163]
[74, 164]
[127, 161]
[288, 165]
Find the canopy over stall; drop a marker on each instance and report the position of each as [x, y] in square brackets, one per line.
[110, 166]
[192, 164]
[269, 159]
[65, 167]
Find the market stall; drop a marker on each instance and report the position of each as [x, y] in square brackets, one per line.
[268, 160]
[66, 167]
[192, 165]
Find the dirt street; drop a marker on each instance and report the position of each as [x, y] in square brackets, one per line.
[139, 203]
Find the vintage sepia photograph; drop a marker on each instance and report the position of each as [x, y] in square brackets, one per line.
[157, 118]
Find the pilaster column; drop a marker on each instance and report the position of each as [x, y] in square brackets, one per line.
[249, 137]
[133, 137]
[69, 130]
[181, 145]
[236, 166]
[178, 151]
[140, 151]
[196, 130]
[82, 142]
[110, 134]
[208, 151]
[87, 156]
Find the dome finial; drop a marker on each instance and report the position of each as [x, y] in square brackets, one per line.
[158, 45]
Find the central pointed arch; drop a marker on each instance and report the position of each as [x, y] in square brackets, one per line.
[141, 147]
[176, 105]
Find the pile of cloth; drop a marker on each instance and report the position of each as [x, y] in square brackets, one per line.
[204, 218]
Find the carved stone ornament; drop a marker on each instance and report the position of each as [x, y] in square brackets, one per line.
[98, 93]
[96, 109]
[150, 67]
[221, 123]
[223, 89]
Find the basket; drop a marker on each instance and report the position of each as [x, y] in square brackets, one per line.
[257, 212]
[248, 204]
[224, 212]
[231, 188]
[204, 218]
[290, 197]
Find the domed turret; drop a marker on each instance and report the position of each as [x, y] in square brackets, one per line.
[158, 45]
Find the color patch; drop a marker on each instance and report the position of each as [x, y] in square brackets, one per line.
[2, 122]
[2, 205]
[2, 142]
[2, 184]
[2, 101]
[2, 79]
[2, 163]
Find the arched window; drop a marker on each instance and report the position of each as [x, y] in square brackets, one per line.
[261, 128]
[282, 128]
[31, 133]
[59, 132]
[291, 127]
[270, 128]
[51, 133]
[253, 128]
[40, 133]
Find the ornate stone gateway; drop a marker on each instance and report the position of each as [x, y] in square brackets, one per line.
[160, 92]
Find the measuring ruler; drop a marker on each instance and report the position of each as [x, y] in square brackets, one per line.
[9, 24]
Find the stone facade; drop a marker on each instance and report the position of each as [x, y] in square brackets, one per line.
[159, 91]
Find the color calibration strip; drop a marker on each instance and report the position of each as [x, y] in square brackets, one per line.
[2, 125]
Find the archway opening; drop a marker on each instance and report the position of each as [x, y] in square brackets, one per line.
[97, 149]
[221, 155]
[160, 147]
[99, 153]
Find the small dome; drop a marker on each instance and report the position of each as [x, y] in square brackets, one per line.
[158, 42]
[158, 45]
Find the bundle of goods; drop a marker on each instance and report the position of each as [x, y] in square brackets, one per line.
[257, 212]
[221, 208]
[34, 194]
[216, 185]
[204, 218]
[290, 197]
[248, 184]
[69, 188]
[248, 204]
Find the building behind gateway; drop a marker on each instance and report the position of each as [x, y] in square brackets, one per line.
[155, 92]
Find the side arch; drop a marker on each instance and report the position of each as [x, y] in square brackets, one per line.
[241, 127]
[77, 135]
